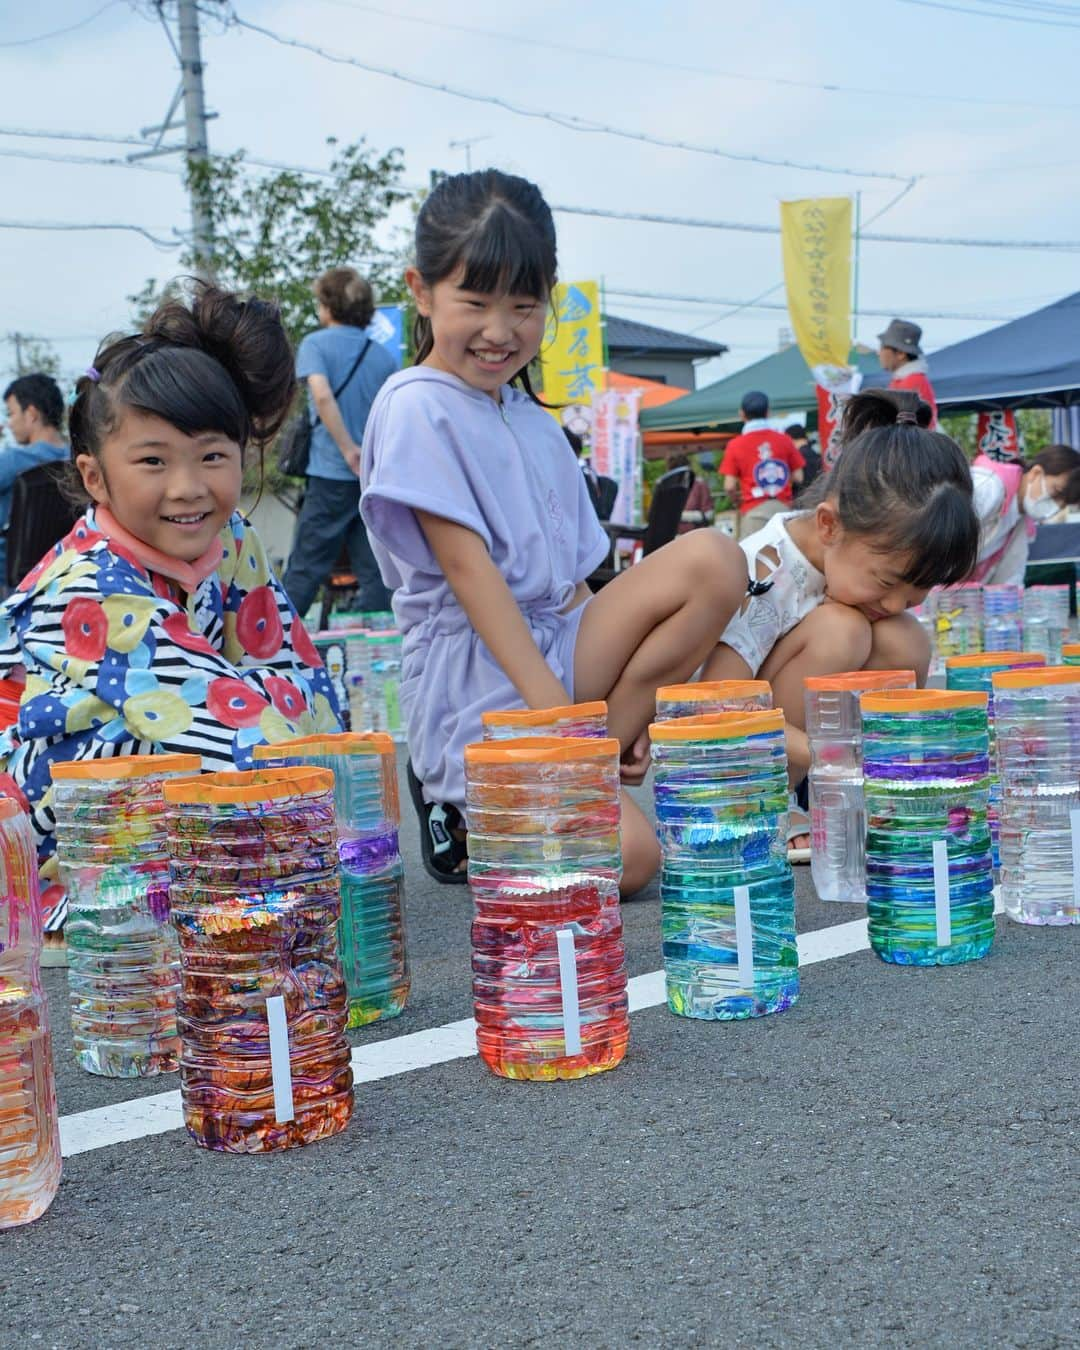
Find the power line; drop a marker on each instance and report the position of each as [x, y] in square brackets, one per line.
[990, 14]
[59, 32]
[568, 121]
[762, 304]
[86, 225]
[685, 68]
[748, 227]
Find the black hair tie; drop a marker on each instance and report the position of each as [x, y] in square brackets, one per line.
[756, 588]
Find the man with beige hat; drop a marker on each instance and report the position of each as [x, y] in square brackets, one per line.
[902, 358]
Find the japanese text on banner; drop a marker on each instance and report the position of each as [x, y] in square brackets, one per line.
[572, 354]
[816, 241]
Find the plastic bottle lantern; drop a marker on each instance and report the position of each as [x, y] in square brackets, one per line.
[549, 969]
[29, 1129]
[837, 805]
[929, 874]
[977, 672]
[1038, 744]
[704, 697]
[727, 889]
[123, 969]
[371, 931]
[264, 1063]
[574, 720]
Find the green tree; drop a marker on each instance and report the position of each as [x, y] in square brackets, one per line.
[1036, 429]
[274, 234]
[31, 355]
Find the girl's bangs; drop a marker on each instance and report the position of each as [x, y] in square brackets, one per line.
[188, 389]
[504, 256]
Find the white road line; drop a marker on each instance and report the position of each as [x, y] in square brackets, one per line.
[123, 1122]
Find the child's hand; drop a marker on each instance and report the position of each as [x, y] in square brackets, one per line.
[635, 761]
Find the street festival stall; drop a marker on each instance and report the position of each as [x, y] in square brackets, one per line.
[603, 412]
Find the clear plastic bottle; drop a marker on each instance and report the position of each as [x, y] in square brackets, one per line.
[1070, 654]
[29, 1125]
[929, 874]
[704, 697]
[264, 1063]
[1002, 618]
[382, 674]
[976, 672]
[123, 964]
[727, 891]
[575, 720]
[371, 932]
[958, 619]
[1038, 745]
[1046, 620]
[837, 806]
[549, 968]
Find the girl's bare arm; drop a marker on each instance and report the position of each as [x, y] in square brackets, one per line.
[483, 594]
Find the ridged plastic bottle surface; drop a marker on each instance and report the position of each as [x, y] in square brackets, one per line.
[123, 963]
[1046, 620]
[1038, 745]
[264, 1063]
[926, 771]
[29, 1125]
[705, 697]
[976, 673]
[1070, 654]
[958, 620]
[371, 932]
[549, 967]
[1002, 618]
[727, 890]
[576, 720]
[837, 805]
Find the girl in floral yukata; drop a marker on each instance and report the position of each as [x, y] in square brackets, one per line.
[156, 625]
[480, 519]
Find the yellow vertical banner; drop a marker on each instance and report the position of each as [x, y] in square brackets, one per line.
[572, 354]
[816, 239]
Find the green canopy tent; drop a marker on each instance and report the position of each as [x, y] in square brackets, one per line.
[784, 376]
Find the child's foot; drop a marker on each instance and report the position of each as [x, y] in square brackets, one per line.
[798, 835]
[443, 848]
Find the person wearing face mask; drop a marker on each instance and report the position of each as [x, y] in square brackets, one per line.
[1011, 500]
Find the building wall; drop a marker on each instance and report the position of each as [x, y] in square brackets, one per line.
[676, 370]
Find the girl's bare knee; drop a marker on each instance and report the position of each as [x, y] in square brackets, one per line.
[640, 849]
[900, 643]
[716, 566]
[843, 633]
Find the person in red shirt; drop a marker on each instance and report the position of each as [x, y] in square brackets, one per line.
[902, 357]
[761, 466]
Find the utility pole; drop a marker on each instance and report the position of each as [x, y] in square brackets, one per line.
[191, 77]
[194, 146]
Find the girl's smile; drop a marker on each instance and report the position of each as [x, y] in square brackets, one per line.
[173, 491]
[482, 339]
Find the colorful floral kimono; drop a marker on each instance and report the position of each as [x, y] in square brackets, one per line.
[129, 652]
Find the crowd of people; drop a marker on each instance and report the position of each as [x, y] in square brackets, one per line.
[157, 625]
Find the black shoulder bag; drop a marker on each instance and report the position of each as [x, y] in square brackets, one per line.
[294, 448]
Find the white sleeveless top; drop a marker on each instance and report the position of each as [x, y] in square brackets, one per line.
[798, 587]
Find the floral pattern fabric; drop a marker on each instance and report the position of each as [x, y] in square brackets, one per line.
[120, 661]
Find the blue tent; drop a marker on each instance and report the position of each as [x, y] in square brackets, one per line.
[1032, 362]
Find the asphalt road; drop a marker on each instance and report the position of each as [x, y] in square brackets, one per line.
[891, 1162]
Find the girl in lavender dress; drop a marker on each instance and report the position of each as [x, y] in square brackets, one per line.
[482, 525]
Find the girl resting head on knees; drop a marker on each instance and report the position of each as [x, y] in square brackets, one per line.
[480, 519]
[1011, 498]
[892, 518]
[156, 625]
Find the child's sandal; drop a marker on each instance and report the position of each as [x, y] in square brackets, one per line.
[441, 852]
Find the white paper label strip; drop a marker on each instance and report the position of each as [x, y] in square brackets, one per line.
[568, 988]
[1074, 820]
[744, 937]
[280, 1068]
[942, 907]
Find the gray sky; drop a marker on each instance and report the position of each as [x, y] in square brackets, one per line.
[712, 73]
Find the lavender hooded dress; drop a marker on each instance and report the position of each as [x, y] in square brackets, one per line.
[504, 470]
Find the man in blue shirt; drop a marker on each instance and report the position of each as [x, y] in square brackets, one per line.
[35, 416]
[330, 514]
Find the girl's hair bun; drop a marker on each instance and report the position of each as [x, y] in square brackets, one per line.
[246, 336]
[883, 408]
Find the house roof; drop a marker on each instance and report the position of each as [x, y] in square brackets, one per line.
[784, 376]
[626, 336]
